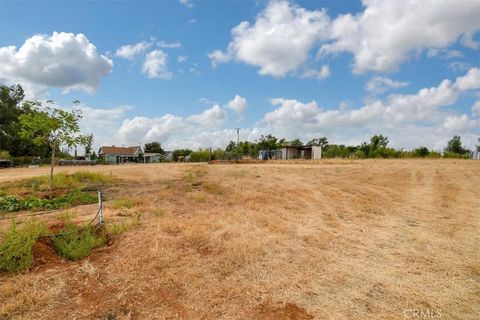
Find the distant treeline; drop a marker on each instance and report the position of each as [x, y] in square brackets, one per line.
[377, 147]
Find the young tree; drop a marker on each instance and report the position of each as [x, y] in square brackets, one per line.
[88, 144]
[53, 126]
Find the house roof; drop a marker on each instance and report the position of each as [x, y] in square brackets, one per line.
[128, 151]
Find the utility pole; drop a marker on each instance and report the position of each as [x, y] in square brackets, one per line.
[238, 136]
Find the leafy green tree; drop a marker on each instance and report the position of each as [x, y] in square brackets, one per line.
[231, 147]
[180, 154]
[154, 147]
[268, 142]
[12, 105]
[455, 146]
[88, 144]
[295, 143]
[421, 152]
[378, 141]
[52, 126]
[319, 142]
[10, 99]
[365, 149]
[478, 145]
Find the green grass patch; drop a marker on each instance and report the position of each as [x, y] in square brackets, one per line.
[73, 198]
[124, 203]
[68, 181]
[121, 227]
[75, 243]
[16, 248]
[69, 190]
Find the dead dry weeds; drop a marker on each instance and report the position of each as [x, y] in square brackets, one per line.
[324, 240]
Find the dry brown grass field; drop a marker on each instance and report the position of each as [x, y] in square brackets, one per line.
[366, 239]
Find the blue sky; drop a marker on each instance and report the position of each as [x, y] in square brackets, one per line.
[298, 69]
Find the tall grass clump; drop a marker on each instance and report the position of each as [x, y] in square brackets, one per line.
[75, 243]
[65, 181]
[16, 248]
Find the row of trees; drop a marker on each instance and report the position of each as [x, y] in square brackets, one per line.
[376, 147]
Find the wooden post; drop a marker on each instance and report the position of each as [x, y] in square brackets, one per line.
[100, 208]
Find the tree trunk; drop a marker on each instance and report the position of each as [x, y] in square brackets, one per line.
[51, 170]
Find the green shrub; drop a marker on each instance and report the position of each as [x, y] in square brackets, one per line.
[9, 204]
[16, 248]
[200, 155]
[75, 244]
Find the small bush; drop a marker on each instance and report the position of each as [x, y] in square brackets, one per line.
[75, 244]
[16, 249]
[9, 204]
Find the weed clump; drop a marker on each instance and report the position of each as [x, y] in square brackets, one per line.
[75, 243]
[16, 248]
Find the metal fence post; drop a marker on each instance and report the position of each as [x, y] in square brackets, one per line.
[100, 208]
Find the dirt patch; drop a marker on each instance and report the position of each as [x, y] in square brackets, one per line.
[44, 256]
[288, 312]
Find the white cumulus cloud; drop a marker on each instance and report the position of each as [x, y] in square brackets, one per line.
[194, 131]
[187, 3]
[380, 37]
[279, 41]
[155, 65]
[378, 85]
[237, 104]
[476, 108]
[387, 32]
[408, 119]
[323, 73]
[130, 51]
[63, 60]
